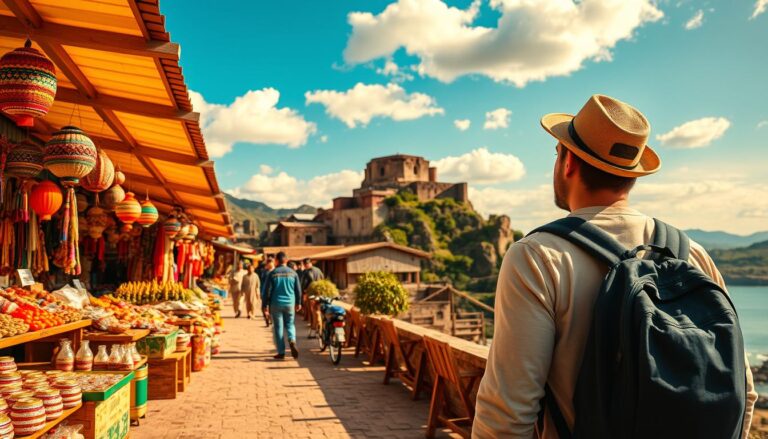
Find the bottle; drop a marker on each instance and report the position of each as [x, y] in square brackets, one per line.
[136, 354]
[84, 357]
[115, 357]
[127, 360]
[101, 360]
[65, 359]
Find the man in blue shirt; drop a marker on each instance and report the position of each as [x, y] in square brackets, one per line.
[281, 298]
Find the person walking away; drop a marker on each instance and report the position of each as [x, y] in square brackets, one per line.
[311, 274]
[556, 367]
[251, 290]
[235, 286]
[281, 300]
[267, 268]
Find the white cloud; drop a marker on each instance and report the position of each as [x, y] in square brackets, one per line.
[533, 39]
[394, 71]
[462, 124]
[762, 123]
[251, 118]
[480, 166]
[282, 190]
[760, 7]
[266, 169]
[687, 199]
[696, 21]
[498, 118]
[323, 139]
[696, 133]
[363, 102]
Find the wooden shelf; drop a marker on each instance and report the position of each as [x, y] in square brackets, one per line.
[128, 336]
[50, 424]
[43, 333]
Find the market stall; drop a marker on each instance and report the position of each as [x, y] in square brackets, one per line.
[108, 205]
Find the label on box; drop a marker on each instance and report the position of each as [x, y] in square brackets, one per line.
[25, 277]
[113, 415]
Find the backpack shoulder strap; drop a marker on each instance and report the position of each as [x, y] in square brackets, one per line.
[672, 238]
[589, 237]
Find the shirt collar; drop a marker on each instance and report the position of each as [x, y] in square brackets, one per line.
[605, 210]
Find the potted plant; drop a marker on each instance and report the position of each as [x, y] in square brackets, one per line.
[379, 292]
[324, 288]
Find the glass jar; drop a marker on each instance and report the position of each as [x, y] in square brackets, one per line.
[136, 354]
[101, 360]
[84, 357]
[65, 359]
[115, 357]
[127, 360]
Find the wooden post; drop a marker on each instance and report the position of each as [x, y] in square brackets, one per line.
[453, 311]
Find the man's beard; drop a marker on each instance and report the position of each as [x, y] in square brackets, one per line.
[560, 196]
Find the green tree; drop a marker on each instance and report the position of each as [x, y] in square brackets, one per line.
[379, 292]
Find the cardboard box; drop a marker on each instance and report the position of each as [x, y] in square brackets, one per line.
[157, 346]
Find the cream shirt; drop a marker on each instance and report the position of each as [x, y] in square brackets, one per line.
[544, 299]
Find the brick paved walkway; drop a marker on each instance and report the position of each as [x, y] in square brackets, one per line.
[247, 394]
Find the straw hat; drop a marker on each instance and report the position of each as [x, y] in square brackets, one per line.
[608, 134]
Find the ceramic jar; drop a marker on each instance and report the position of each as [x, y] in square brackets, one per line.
[71, 395]
[54, 405]
[28, 416]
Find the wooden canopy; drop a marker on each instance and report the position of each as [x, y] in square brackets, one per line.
[119, 79]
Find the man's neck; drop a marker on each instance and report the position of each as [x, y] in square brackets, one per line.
[601, 198]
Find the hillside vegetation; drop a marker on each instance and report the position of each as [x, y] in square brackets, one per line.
[743, 266]
[467, 248]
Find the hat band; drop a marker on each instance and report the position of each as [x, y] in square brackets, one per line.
[583, 146]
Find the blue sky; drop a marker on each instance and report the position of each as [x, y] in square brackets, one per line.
[676, 68]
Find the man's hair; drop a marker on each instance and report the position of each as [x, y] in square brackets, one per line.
[307, 261]
[281, 257]
[595, 179]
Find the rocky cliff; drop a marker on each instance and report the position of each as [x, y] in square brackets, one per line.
[467, 248]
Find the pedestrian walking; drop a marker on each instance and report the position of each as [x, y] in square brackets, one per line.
[281, 300]
[265, 269]
[556, 367]
[250, 290]
[310, 274]
[235, 286]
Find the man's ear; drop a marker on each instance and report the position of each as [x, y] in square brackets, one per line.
[571, 164]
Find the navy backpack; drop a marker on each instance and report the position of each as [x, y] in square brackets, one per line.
[665, 354]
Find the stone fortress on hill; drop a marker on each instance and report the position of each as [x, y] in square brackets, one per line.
[354, 219]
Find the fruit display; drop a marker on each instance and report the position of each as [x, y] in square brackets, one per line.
[37, 318]
[42, 300]
[10, 326]
[142, 293]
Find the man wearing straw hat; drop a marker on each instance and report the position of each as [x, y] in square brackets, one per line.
[548, 286]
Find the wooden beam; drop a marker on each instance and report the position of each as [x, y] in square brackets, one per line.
[139, 19]
[25, 12]
[63, 61]
[151, 181]
[87, 38]
[154, 153]
[125, 105]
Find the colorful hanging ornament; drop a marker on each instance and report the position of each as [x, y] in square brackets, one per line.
[171, 227]
[149, 213]
[45, 199]
[192, 234]
[25, 160]
[70, 155]
[119, 177]
[128, 211]
[102, 175]
[27, 84]
[113, 196]
[183, 231]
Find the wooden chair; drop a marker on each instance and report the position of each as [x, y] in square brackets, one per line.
[351, 327]
[398, 359]
[374, 344]
[441, 358]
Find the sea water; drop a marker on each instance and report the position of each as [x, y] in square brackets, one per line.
[752, 306]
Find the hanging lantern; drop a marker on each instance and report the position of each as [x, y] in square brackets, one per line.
[45, 199]
[97, 215]
[102, 175]
[192, 234]
[70, 155]
[128, 211]
[171, 227]
[25, 160]
[148, 213]
[27, 84]
[113, 196]
[119, 177]
[82, 203]
[183, 231]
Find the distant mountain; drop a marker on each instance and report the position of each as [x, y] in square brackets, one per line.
[724, 240]
[743, 266]
[261, 213]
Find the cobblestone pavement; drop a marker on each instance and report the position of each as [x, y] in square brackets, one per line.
[247, 394]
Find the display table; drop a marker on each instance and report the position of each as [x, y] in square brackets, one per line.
[129, 336]
[50, 424]
[39, 345]
[107, 419]
[169, 375]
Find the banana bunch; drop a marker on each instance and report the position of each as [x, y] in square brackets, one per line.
[142, 293]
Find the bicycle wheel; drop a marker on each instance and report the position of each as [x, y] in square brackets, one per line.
[335, 350]
[321, 340]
